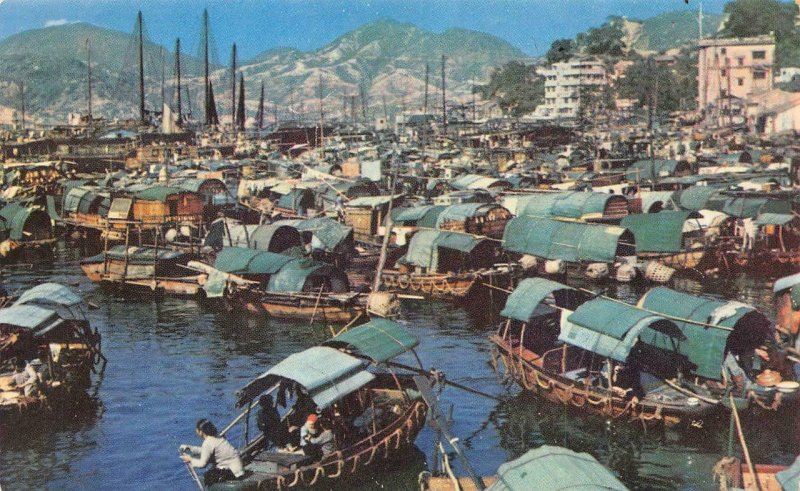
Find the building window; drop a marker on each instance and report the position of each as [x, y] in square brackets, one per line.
[723, 51]
[759, 75]
[723, 93]
[740, 82]
[740, 60]
[724, 72]
[759, 55]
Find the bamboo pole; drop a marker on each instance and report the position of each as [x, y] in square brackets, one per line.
[742, 442]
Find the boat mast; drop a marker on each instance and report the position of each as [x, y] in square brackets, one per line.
[321, 118]
[233, 87]
[22, 101]
[260, 115]
[178, 76]
[206, 83]
[240, 110]
[89, 75]
[141, 68]
[163, 80]
[425, 104]
[444, 99]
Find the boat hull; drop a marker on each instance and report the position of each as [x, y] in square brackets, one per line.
[559, 389]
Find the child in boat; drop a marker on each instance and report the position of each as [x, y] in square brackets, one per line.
[319, 440]
[216, 449]
[25, 378]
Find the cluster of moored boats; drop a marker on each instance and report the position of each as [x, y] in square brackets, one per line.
[307, 242]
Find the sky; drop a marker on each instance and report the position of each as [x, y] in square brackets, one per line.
[258, 25]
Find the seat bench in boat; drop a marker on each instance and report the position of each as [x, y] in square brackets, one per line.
[276, 462]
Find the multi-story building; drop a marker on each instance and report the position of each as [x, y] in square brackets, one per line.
[567, 83]
[734, 68]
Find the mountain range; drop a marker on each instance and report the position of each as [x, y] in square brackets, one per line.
[383, 63]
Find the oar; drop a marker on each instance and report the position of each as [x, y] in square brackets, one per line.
[426, 390]
[194, 475]
[445, 380]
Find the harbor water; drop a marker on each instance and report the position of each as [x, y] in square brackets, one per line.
[173, 361]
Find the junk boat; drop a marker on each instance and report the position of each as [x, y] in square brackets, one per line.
[281, 286]
[145, 268]
[46, 328]
[376, 412]
[614, 359]
[546, 467]
[448, 264]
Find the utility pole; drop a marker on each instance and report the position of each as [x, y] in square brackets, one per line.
[142, 114]
[178, 77]
[444, 98]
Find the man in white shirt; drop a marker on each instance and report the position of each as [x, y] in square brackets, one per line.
[216, 449]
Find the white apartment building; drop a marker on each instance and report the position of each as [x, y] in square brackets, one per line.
[564, 83]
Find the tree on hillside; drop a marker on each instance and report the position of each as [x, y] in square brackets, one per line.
[755, 17]
[560, 50]
[515, 87]
[758, 17]
[604, 40]
[651, 85]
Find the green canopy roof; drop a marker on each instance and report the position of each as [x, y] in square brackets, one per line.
[657, 232]
[33, 317]
[526, 299]
[789, 478]
[569, 241]
[610, 328]
[293, 274]
[643, 169]
[412, 214]
[379, 339]
[703, 346]
[328, 234]
[327, 375]
[423, 249]
[462, 211]
[158, 193]
[774, 219]
[553, 469]
[14, 217]
[238, 260]
[694, 198]
[737, 207]
[571, 204]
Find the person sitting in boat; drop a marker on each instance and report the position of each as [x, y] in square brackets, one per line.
[215, 450]
[318, 440]
[269, 422]
[25, 378]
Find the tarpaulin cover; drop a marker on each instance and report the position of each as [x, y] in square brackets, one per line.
[610, 328]
[703, 346]
[327, 375]
[526, 299]
[238, 260]
[569, 241]
[423, 249]
[379, 339]
[657, 232]
[554, 469]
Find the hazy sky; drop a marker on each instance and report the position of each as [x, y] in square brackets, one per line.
[257, 25]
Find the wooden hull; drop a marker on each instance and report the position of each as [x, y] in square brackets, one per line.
[733, 473]
[393, 440]
[520, 364]
[140, 277]
[328, 308]
[455, 286]
[681, 260]
[322, 313]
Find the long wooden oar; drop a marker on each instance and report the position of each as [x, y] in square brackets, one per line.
[194, 475]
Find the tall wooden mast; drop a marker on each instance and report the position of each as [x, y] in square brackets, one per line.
[178, 78]
[142, 114]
